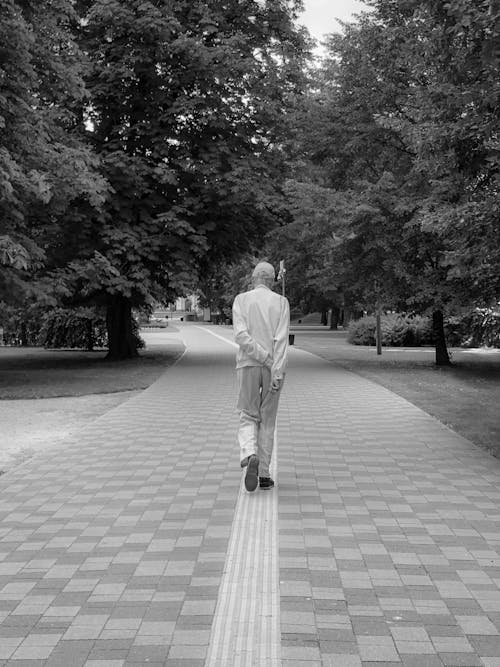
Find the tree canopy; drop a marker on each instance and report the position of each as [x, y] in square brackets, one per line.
[165, 148]
[44, 164]
[397, 160]
[148, 145]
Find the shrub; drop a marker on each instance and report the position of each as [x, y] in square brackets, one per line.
[362, 331]
[136, 333]
[478, 328]
[421, 328]
[81, 329]
[397, 330]
[457, 329]
[20, 325]
[484, 328]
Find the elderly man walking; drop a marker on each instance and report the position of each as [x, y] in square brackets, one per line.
[261, 320]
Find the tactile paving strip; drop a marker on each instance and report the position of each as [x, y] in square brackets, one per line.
[246, 627]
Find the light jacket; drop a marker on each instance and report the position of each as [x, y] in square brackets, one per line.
[261, 320]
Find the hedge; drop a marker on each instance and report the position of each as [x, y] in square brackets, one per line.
[81, 328]
[480, 328]
[397, 331]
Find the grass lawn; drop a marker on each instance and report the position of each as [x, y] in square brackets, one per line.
[39, 373]
[465, 396]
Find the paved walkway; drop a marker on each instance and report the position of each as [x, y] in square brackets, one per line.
[136, 545]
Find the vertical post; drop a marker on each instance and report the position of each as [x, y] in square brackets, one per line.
[379, 331]
[281, 276]
[378, 334]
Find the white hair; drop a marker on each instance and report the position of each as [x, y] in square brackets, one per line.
[265, 271]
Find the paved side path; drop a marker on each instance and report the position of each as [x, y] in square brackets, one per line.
[389, 530]
[113, 550]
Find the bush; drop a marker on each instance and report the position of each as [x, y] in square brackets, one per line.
[483, 328]
[421, 328]
[362, 331]
[20, 325]
[457, 329]
[136, 334]
[397, 330]
[80, 329]
[479, 328]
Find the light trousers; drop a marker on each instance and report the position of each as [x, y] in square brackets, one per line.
[258, 406]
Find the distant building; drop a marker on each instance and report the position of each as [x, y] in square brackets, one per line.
[188, 304]
[183, 305]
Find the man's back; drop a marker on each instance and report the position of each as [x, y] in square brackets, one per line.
[260, 320]
[262, 309]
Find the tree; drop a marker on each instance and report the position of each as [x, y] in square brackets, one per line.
[186, 114]
[451, 123]
[402, 121]
[306, 243]
[448, 116]
[44, 165]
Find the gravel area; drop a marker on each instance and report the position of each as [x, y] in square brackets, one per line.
[31, 426]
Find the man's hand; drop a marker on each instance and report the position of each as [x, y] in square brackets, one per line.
[276, 384]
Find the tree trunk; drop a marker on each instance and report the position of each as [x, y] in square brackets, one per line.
[24, 334]
[121, 341]
[89, 335]
[335, 318]
[442, 356]
[324, 317]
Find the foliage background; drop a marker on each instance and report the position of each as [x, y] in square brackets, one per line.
[151, 148]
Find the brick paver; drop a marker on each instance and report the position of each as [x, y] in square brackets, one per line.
[389, 529]
[113, 548]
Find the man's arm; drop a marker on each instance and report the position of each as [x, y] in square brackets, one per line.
[281, 343]
[244, 339]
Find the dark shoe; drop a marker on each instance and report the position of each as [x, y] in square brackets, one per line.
[266, 482]
[251, 477]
